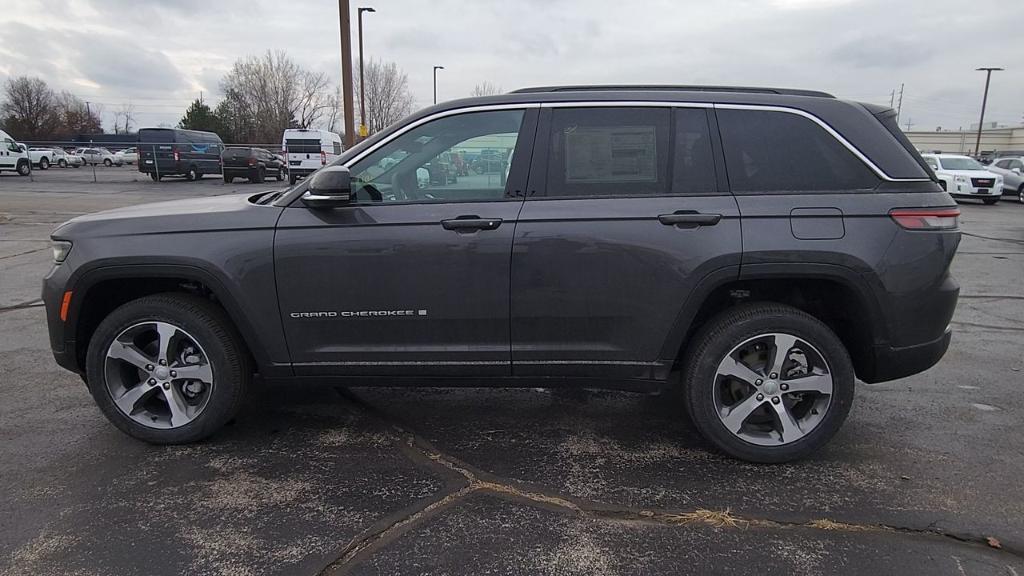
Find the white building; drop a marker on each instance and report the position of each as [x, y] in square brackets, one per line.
[993, 140]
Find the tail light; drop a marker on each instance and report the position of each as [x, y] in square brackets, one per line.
[926, 218]
[176, 156]
[252, 161]
[323, 158]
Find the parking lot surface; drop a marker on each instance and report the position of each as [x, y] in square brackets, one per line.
[925, 477]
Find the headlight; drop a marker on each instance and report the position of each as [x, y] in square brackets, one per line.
[961, 179]
[61, 249]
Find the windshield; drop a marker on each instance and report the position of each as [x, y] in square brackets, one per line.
[960, 164]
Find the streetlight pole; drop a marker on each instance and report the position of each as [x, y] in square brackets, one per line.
[984, 100]
[344, 13]
[436, 68]
[363, 130]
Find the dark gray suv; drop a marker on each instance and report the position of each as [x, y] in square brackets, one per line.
[760, 248]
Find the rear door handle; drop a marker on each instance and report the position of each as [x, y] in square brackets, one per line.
[689, 219]
[470, 223]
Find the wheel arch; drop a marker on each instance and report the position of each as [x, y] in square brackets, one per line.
[836, 295]
[93, 301]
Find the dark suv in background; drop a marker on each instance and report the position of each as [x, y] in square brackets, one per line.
[255, 164]
[760, 248]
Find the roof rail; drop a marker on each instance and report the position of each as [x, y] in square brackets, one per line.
[668, 88]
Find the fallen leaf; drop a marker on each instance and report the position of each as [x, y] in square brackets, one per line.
[993, 542]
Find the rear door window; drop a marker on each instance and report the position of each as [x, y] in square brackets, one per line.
[609, 152]
[768, 151]
[303, 145]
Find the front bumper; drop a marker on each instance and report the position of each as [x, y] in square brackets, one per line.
[62, 344]
[968, 189]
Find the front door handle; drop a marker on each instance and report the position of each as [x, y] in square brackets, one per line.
[689, 219]
[470, 223]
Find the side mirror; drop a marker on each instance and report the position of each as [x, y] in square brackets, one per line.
[1017, 170]
[330, 187]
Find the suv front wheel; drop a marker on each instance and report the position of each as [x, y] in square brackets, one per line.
[768, 382]
[168, 368]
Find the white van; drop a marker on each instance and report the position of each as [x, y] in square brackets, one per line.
[14, 156]
[306, 150]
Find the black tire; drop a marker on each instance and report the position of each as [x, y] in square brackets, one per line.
[154, 176]
[990, 201]
[228, 179]
[261, 175]
[280, 175]
[1020, 194]
[24, 168]
[107, 162]
[192, 175]
[62, 163]
[214, 332]
[291, 179]
[736, 325]
[44, 163]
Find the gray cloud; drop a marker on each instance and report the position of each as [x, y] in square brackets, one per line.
[160, 53]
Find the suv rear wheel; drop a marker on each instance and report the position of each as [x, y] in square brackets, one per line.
[168, 368]
[768, 382]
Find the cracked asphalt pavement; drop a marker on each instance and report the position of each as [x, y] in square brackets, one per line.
[924, 478]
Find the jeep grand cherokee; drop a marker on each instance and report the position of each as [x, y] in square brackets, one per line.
[768, 246]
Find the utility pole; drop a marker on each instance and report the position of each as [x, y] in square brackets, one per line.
[436, 68]
[892, 98]
[346, 71]
[984, 100]
[899, 107]
[910, 122]
[363, 130]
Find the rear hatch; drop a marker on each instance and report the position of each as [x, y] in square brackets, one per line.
[304, 153]
[156, 150]
[237, 157]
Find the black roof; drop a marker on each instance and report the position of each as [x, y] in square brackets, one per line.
[671, 88]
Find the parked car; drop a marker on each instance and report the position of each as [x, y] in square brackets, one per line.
[1010, 168]
[60, 157]
[96, 156]
[41, 158]
[176, 152]
[73, 159]
[308, 150]
[641, 234]
[127, 156]
[14, 156]
[252, 163]
[965, 177]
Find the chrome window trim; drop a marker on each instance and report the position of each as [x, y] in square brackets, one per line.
[662, 104]
[435, 116]
[636, 104]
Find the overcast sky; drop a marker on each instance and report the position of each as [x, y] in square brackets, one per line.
[161, 54]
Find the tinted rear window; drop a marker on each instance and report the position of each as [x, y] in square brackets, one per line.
[235, 153]
[302, 145]
[778, 151]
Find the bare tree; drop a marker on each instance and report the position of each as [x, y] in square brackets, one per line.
[266, 94]
[486, 89]
[30, 109]
[388, 98]
[76, 117]
[124, 119]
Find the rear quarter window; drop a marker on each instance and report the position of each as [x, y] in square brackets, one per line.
[768, 151]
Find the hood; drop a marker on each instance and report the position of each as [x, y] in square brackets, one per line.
[229, 212]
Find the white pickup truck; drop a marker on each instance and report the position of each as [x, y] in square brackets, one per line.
[42, 158]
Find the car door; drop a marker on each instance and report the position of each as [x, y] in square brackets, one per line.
[627, 213]
[410, 278]
[9, 153]
[1012, 177]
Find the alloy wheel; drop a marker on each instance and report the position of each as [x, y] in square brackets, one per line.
[772, 389]
[158, 375]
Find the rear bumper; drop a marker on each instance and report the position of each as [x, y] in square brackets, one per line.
[890, 363]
